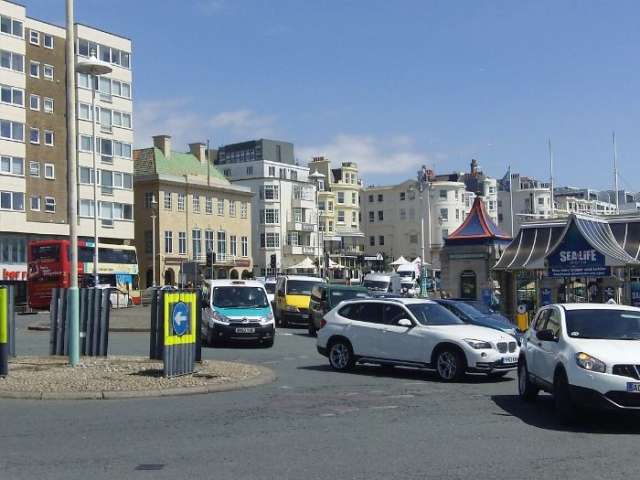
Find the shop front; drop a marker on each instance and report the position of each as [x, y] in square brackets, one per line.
[578, 259]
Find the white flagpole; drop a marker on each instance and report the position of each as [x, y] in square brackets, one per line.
[553, 207]
[511, 200]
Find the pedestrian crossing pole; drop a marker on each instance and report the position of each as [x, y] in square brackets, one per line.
[4, 332]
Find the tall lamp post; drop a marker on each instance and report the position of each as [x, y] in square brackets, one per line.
[154, 209]
[317, 177]
[73, 309]
[423, 183]
[94, 68]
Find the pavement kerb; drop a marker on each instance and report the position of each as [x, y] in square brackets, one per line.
[42, 328]
[266, 376]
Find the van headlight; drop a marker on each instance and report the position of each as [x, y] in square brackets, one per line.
[291, 308]
[590, 363]
[478, 344]
[268, 318]
[218, 317]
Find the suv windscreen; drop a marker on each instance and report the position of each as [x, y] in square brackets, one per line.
[603, 324]
[239, 297]
[338, 296]
[300, 287]
[433, 314]
[377, 285]
[467, 309]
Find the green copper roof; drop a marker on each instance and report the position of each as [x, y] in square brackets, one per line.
[151, 161]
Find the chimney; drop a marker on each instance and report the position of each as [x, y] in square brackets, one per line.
[199, 150]
[163, 143]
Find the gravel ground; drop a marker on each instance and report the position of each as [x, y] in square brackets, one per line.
[53, 374]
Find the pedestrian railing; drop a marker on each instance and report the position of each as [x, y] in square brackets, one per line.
[7, 328]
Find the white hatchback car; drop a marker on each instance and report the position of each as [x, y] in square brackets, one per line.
[586, 355]
[416, 333]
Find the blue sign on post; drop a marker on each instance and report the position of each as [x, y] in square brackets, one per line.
[575, 257]
[180, 318]
[545, 296]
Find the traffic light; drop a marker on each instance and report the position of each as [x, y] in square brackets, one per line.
[211, 258]
[273, 261]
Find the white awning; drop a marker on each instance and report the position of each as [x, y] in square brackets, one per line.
[335, 265]
[400, 261]
[306, 264]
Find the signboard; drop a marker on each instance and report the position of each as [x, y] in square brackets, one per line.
[545, 297]
[180, 312]
[486, 296]
[635, 293]
[575, 257]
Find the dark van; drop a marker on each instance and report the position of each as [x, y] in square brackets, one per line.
[326, 296]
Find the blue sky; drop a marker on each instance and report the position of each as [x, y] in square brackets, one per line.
[390, 84]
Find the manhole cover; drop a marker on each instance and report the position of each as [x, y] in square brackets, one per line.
[150, 466]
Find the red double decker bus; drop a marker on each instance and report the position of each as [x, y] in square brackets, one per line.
[49, 266]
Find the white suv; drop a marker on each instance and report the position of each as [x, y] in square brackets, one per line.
[585, 354]
[416, 333]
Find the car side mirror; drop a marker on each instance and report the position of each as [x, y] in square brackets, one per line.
[546, 336]
[405, 322]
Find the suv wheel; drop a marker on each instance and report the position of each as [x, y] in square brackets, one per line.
[565, 409]
[341, 356]
[450, 365]
[526, 388]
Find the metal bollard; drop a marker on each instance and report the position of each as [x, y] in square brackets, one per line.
[4, 332]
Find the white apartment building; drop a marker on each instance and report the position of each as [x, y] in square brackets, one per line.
[33, 136]
[531, 201]
[285, 225]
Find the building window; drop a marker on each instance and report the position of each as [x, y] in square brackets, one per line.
[402, 196]
[167, 201]
[47, 105]
[35, 203]
[181, 202]
[196, 243]
[221, 206]
[354, 198]
[182, 243]
[370, 198]
[148, 199]
[272, 240]
[227, 172]
[11, 130]
[445, 233]
[340, 197]
[283, 173]
[34, 102]
[340, 216]
[372, 241]
[380, 197]
[34, 37]
[232, 208]
[10, 26]
[208, 205]
[372, 217]
[413, 238]
[48, 40]
[540, 201]
[244, 207]
[500, 218]
[381, 240]
[457, 214]
[148, 242]
[330, 204]
[272, 171]
[294, 175]
[444, 214]
[269, 192]
[244, 245]
[222, 243]
[49, 171]
[12, 95]
[208, 241]
[168, 241]
[330, 226]
[34, 169]
[12, 165]
[34, 135]
[34, 69]
[270, 216]
[48, 138]
[49, 204]
[249, 170]
[381, 215]
[12, 61]
[196, 203]
[47, 72]
[403, 214]
[233, 245]
[12, 201]
[443, 194]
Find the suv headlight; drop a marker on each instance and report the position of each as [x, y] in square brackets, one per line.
[218, 317]
[590, 363]
[478, 344]
[291, 308]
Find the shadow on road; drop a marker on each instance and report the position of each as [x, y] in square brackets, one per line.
[405, 373]
[541, 414]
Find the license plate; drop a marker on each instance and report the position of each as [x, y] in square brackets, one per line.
[633, 387]
[305, 317]
[510, 360]
[245, 330]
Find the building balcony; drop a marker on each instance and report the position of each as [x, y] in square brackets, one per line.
[303, 203]
[223, 259]
[301, 227]
[350, 250]
[299, 250]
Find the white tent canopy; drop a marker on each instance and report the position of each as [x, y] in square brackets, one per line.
[335, 265]
[306, 264]
[400, 261]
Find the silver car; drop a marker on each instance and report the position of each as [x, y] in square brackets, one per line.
[147, 294]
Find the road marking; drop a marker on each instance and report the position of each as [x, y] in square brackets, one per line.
[271, 362]
[385, 407]
[286, 387]
[285, 334]
[351, 394]
[413, 384]
[289, 358]
[404, 395]
[303, 356]
[327, 414]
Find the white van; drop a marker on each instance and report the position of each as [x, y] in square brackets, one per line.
[379, 283]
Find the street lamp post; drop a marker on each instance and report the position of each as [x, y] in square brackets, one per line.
[94, 68]
[423, 183]
[316, 177]
[154, 206]
[73, 308]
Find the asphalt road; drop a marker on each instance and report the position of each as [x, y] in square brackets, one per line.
[312, 423]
